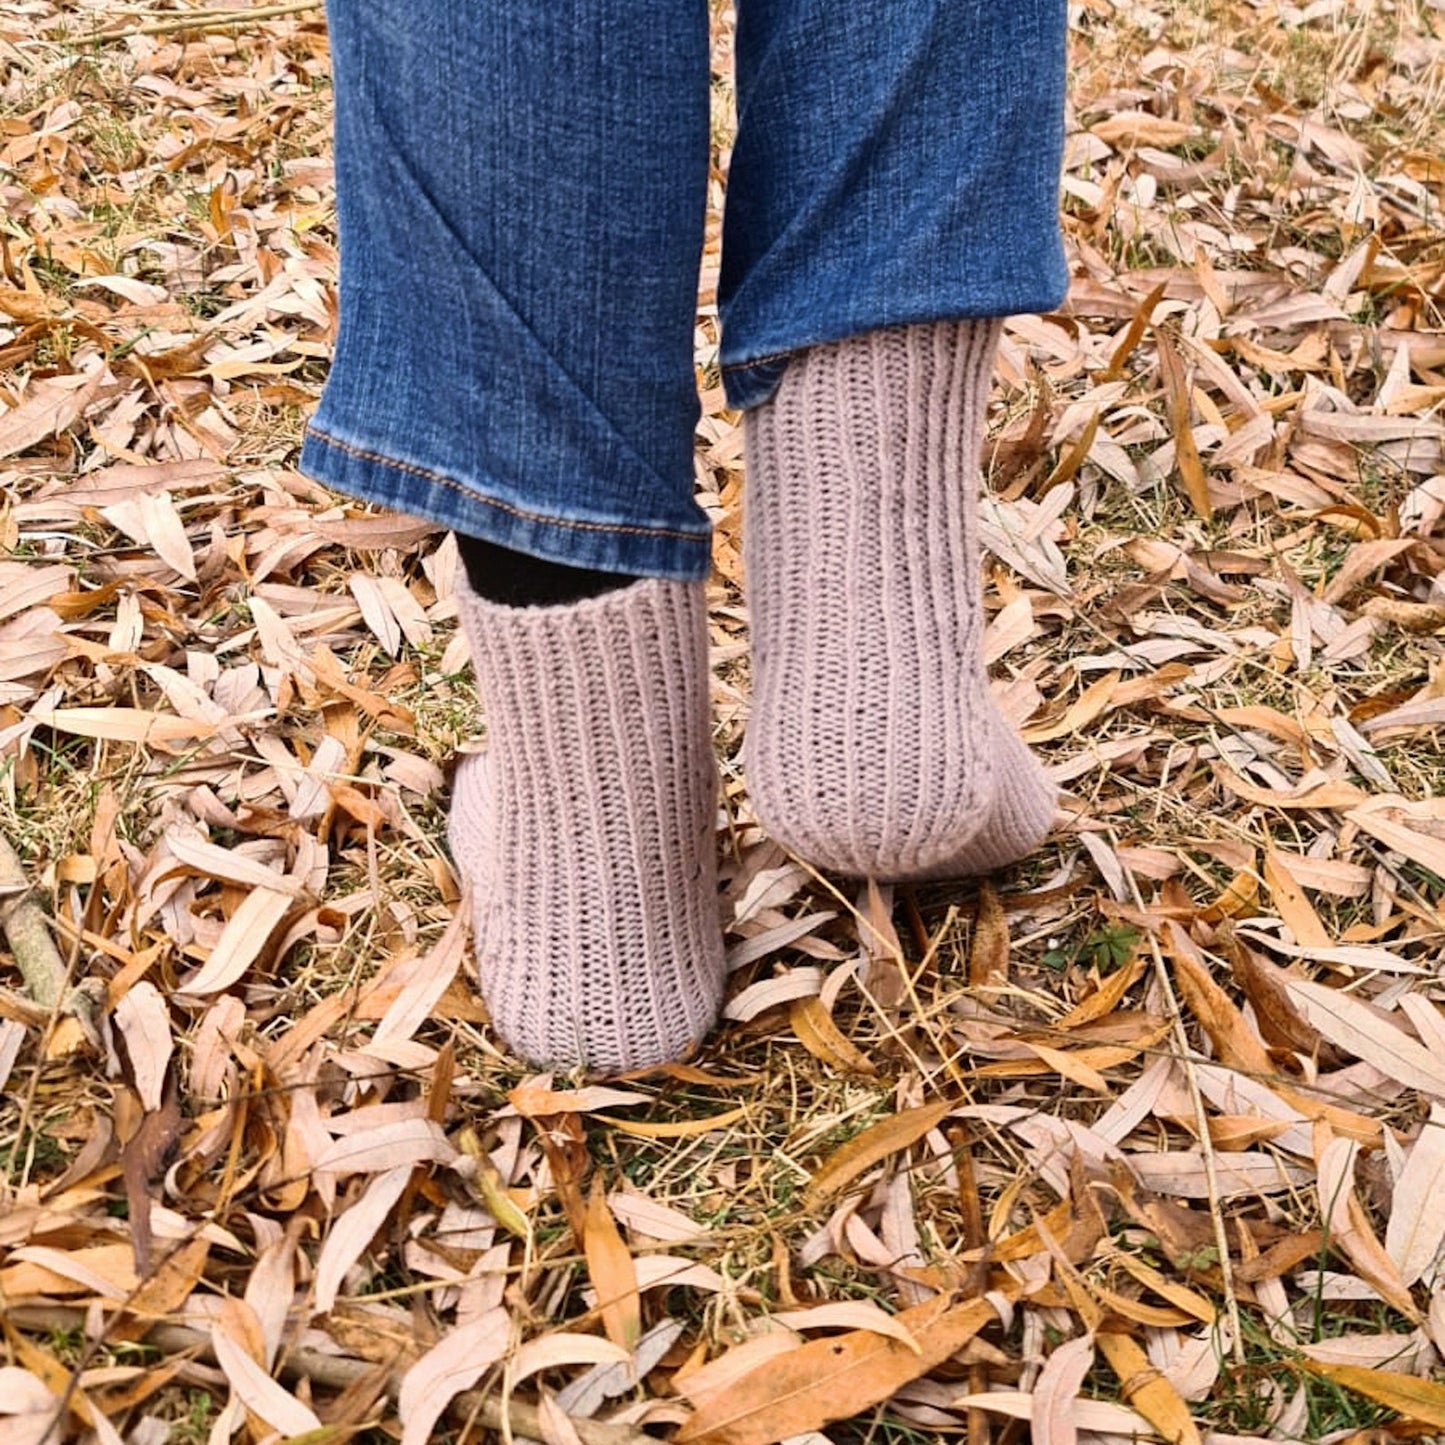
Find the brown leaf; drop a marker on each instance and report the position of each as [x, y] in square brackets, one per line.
[1186, 454]
[1291, 904]
[814, 1028]
[874, 1144]
[1143, 1387]
[679, 1128]
[989, 956]
[1240, 1048]
[1281, 1023]
[144, 1158]
[832, 1379]
[613, 1273]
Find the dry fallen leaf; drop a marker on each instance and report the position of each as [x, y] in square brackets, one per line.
[229, 698]
[1415, 1231]
[1056, 1392]
[613, 1274]
[454, 1364]
[1359, 1031]
[873, 1145]
[1421, 1402]
[353, 1231]
[1147, 1391]
[833, 1378]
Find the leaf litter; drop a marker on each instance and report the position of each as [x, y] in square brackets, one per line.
[1142, 1139]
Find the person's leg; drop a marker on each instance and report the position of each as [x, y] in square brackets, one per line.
[893, 193]
[521, 191]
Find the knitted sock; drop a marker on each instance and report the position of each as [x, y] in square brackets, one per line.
[586, 829]
[517, 579]
[875, 747]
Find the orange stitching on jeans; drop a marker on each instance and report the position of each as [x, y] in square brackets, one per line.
[759, 360]
[369, 456]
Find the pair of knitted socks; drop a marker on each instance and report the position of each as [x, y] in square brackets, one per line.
[586, 830]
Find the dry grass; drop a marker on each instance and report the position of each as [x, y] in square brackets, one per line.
[1198, 1035]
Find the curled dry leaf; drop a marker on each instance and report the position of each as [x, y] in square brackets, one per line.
[551, 1352]
[242, 940]
[988, 958]
[455, 1363]
[1148, 1391]
[1056, 1392]
[814, 1028]
[849, 1315]
[386, 1147]
[1349, 1230]
[145, 1023]
[679, 1128]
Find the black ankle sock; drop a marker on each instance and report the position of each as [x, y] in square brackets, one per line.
[516, 580]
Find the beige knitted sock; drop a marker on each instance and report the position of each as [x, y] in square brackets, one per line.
[874, 746]
[586, 829]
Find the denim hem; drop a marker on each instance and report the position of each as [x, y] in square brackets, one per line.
[749, 381]
[434, 496]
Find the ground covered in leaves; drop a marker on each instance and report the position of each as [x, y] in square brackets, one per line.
[1144, 1140]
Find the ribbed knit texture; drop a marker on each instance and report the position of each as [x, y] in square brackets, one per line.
[874, 747]
[586, 829]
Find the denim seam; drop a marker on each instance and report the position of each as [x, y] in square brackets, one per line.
[758, 360]
[362, 454]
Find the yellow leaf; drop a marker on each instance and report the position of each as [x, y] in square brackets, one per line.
[1420, 1401]
[1107, 997]
[679, 1128]
[816, 1031]
[614, 1275]
[1143, 1387]
[1289, 899]
[896, 1132]
[832, 1379]
[1071, 1067]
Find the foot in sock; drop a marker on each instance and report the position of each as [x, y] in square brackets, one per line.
[585, 831]
[874, 747]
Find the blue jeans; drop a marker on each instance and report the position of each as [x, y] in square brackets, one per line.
[521, 188]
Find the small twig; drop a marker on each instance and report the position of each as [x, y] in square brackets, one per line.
[211, 20]
[335, 1372]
